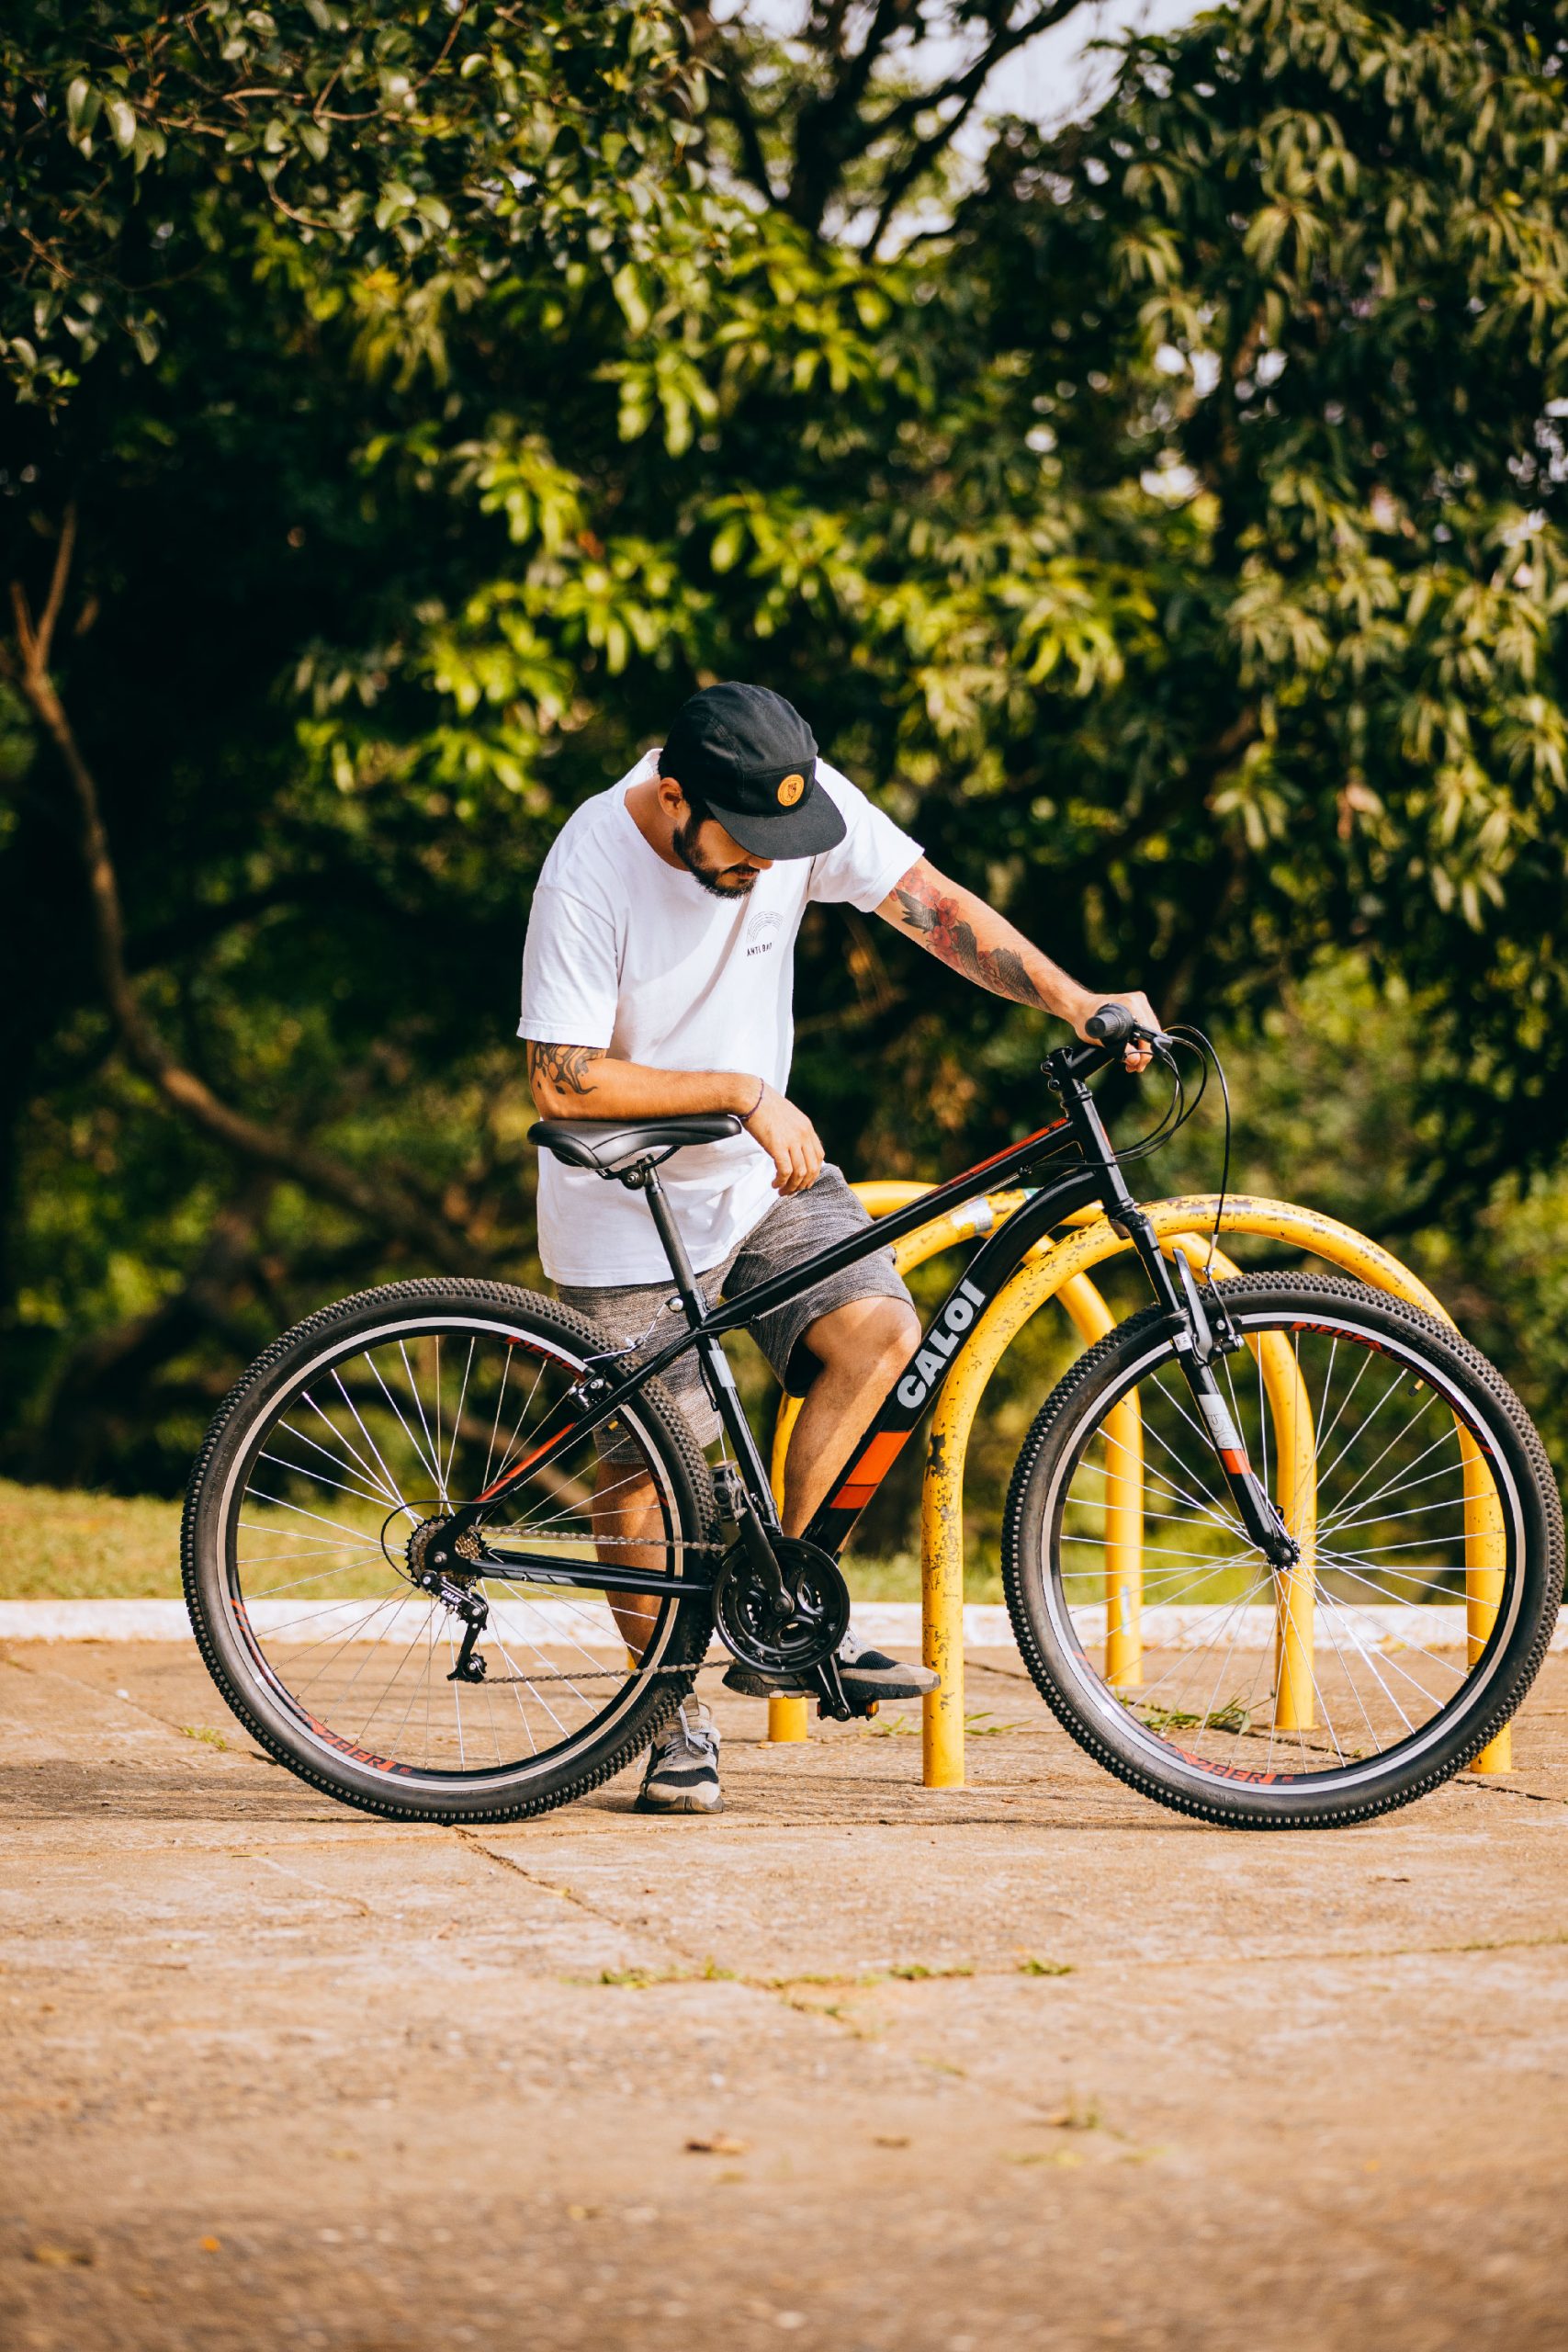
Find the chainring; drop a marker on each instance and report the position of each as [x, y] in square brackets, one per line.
[752, 1627]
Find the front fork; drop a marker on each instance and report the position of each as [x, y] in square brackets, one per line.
[1199, 1333]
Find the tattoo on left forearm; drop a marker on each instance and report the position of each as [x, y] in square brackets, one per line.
[931, 911]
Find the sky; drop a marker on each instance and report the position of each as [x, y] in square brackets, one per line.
[1050, 81]
[1057, 77]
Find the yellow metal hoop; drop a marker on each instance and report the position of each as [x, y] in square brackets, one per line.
[1060, 1268]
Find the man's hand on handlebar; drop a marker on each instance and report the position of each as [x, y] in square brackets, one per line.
[790, 1140]
[1138, 1054]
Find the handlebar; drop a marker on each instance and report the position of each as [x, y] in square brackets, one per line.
[1114, 1025]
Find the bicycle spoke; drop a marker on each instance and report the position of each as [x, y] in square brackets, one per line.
[1354, 1651]
[361, 1647]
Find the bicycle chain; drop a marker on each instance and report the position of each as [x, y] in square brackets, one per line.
[676, 1547]
[609, 1673]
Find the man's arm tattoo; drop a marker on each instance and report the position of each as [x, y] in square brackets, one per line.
[931, 911]
[566, 1069]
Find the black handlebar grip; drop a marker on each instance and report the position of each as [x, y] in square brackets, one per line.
[1112, 1025]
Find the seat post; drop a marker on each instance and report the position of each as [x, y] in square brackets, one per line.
[674, 1248]
[758, 1512]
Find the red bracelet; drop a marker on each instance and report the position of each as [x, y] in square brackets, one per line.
[747, 1116]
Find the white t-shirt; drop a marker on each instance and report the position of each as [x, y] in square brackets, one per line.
[629, 953]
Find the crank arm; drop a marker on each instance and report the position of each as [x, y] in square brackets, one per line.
[832, 1697]
[763, 1561]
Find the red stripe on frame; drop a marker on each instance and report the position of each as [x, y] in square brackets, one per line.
[880, 1455]
[981, 1165]
[508, 1476]
[867, 1473]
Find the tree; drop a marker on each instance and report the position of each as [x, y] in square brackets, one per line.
[238, 237]
[1304, 280]
[839, 127]
[1174, 541]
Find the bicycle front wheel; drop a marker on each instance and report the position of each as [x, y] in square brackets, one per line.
[319, 1480]
[1428, 1581]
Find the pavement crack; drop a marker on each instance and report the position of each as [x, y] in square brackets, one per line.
[545, 1885]
[1485, 1786]
[331, 1893]
[563, 1891]
[242, 1752]
[692, 1970]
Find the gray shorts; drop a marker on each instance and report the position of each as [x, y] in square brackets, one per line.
[795, 1228]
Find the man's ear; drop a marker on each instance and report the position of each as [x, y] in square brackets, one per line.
[671, 797]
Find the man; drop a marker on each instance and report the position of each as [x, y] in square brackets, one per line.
[657, 979]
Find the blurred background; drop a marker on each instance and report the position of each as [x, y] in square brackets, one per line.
[1134, 437]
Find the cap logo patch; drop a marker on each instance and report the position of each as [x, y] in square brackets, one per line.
[790, 790]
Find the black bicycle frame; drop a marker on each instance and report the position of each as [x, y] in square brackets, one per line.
[1094, 1177]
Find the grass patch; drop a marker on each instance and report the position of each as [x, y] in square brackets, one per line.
[1235, 1715]
[60, 1545]
[898, 1578]
[204, 1734]
[640, 1980]
[1033, 1967]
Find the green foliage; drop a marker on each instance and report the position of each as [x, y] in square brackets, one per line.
[1306, 277]
[1175, 542]
[429, 148]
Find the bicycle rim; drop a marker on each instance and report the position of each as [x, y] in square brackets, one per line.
[1371, 1668]
[369, 1439]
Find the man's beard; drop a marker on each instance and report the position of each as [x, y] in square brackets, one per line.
[722, 881]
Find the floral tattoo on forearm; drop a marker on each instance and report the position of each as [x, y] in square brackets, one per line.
[930, 909]
[566, 1069]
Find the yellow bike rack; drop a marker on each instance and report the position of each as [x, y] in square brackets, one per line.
[1060, 1268]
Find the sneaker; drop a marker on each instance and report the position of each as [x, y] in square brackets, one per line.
[683, 1769]
[867, 1675]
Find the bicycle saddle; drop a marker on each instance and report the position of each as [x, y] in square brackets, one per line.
[608, 1145]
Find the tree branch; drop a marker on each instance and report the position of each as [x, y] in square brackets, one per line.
[730, 98]
[62, 555]
[264, 1147]
[920, 157]
[968, 88]
[825, 134]
[738, 106]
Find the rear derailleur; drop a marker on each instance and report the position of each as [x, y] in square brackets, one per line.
[437, 1569]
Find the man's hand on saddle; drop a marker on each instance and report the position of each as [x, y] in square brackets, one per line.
[790, 1140]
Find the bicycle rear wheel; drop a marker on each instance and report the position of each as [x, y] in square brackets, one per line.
[303, 1538]
[1429, 1578]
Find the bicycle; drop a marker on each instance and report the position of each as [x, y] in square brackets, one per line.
[412, 1582]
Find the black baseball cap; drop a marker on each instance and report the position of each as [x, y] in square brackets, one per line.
[752, 758]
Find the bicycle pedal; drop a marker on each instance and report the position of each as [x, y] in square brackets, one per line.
[848, 1712]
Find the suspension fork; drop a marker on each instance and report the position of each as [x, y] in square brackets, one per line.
[1196, 1336]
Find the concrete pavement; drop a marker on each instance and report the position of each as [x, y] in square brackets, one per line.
[1029, 2062]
